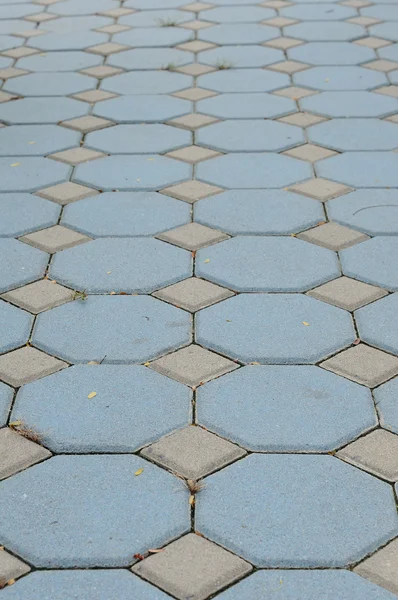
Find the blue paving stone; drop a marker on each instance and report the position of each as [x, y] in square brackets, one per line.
[355, 134]
[383, 12]
[42, 110]
[325, 31]
[140, 265]
[17, 11]
[79, 40]
[138, 139]
[23, 213]
[151, 58]
[157, 18]
[124, 415]
[50, 84]
[241, 33]
[378, 323]
[239, 14]
[132, 173]
[142, 109]
[247, 106]
[5, 62]
[306, 585]
[6, 395]
[257, 212]
[340, 78]
[8, 41]
[68, 25]
[250, 135]
[361, 169]
[232, 328]
[90, 585]
[20, 264]
[249, 80]
[125, 214]
[30, 174]
[389, 52]
[14, 26]
[103, 514]
[76, 7]
[374, 212]
[124, 329]
[59, 61]
[15, 326]
[318, 12]
[350, 104]
[287, 409]
[373, 261]
[386, 31]
[28, 140]
[241, 56]
[332, 53]
[387, 406]
[261, 264]
[151, 37]
[152, 4]
[154, 82]
[253, 171]
[393, 76]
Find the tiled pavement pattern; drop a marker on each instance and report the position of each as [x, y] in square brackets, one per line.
[198, 299]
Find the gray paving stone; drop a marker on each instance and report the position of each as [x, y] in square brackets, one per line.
[27, 364]
[310, 152]
[347, 293]
[193, 236]
[75, 156]
[39, 296]
[193, 154]
[382, 567]
[387, 406]
[333, 236]
[193, 294]
[6, 398]
[18, 453]
[320, 189]
[11, 567]
[87, 124]
[180, 567]
[376, 452]
[364, 365]
[193, 452]
[193, 365]
[54, 239]
[67, 192]
[191, 191]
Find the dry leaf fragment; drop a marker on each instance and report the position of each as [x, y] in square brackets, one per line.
[139, 472]
[91, 395]
[191, 500]
[92, 362]
[306, 324]
[11, 582]
[147, 364]
[207, 260]
[139, 556]
[15, 164]
[155, 550]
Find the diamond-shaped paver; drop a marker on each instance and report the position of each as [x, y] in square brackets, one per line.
[15, 325]
[107, 48]
[249, 80]
[316, 493]
[382, 65]
[20, 264]
[39, 296]
[193, 236]
[102, 71]
[10, 72]
[320, 189]
[193, 452]
[27, 364]
[246, 106]
[295, 92]
[67, 192]
[289, 67]
[192, 121]
[377, 323]
[93, 96]
[30, 173]
[302, 119]
[139, 139]
[195, 69]
[364, 365]
[193, 154]
[373, 42]
[347, 293]
[382, 567]
[193, 365]
[355, 134]
[194, 94]
[18, 453]
[309, 152]
[10, 566]
[193, 294]
[195, 45]
[340, 78]
[75, 156]
[180, 567]
[191, 191]
[6, 398]
[41, 110]
[288, 409]
[22, 213]
[64, 482]
[87, 124]
[350, 104]
[147, 108]
[386, 404]
[299, 328]
[120, 390]
[376, 453]
[369, 210]
[283, 43]
[373, 262]
[333, 236]
[54, 239]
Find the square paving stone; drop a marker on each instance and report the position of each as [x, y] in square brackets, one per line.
[295, 92]
[10, 566]
[193, 365]
[67, 192]
[302, 119]
[364, 365]
[193, 236]
[93, 96]
[39, 296]
[191, 191]
[310, 152]
[382, 567]
[87, 124]
[377, 453]
[54, 239]
[193, 154]
[27, 364]
[193, 452]
[195, 69]
[320, 189]
[18, 453]
[193, 294]
[192, 567]
[347, 293]
[194, 94]
[289, 67]
[333, 236]
[102, 71]
[75, 156]
[107, 49]
[193, 121]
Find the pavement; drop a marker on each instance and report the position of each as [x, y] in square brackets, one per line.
[198, 300]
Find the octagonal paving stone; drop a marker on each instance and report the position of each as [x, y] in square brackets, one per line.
[295, 328]
[325, 31]
[239, 14]
[23, 213]
[28, 140]
[297, 511]
[355, 134]
[340, 78]
[387, 406]
[17, 11]
[103, 514]
[154, 82]
[8, 41]
[125, 214]
[131, 172]
[246, 106]
[139, 139]
[140, 265]
[265, 170]
[73, 60]
[350, 104]
[241, 56]
[146, 59]
[361, 169]
[74, 7]
[77, 40]
[267, 264]
[373, 261]
[386, 31]
[249, 80]
[29, 173]
[149, 108]
[112, 329]
[6, 397]
[259, 212]
[251, 135]
[20, 264]
[242, 33]
[133, 407]
[318, 12]
[374, 212]
[288, 409]
[157, 18]
[153, 37]
[49, 84]
[332, 53]
[42, 110]
[383, 12]
[378, 323]
[68, 25]
[15, 326]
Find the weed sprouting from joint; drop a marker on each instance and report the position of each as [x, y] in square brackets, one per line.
[27, 432]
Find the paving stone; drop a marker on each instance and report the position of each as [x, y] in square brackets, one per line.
[120, 390]
[22, 213]
[390, 90]
[54, 239]
[67, 192]
[75, 8]
[64, 481]
[369, 210]
[381, 568]
[10, 72]
[27, 140]
[148, 108]
[41, 110]
[289, 67]
[363, 21]
[239, 14]
[59, 61]
[126, 214]
[193, 294]
[27, 174]
[246, 106]
[373, 262]
[319, 12]
[310, 152]
[11, 567]
[339, 78]
[377, 323]
[194, 94]
[6, 398]
[77, 40]
[75, 156]
[27, 364]
[386, 404]
[192, 452]
[193, 236]
[195, 69]
[192, 121]
[283, 43]
[15, 325]
[193, 154]
[280, 21]
[350, 104]
[49, 84]
[179, 568]
[320, 189]
[376, 453]
[333, 236]
[373, 42]
[195, 46]
[87, 124]
[191, 191]
[157, 18]
[250, 80]
[21, 264]
[228, 34]
[295, 92]
[364, 365]
[317, 492]
[153, 37]
[102, 71]
[288, 409]
[139, 139]
[196, 25]
[71, 24]
[325, 31]
[347, 293]
[94, 96]
[241, 56]
[355, 134]
[107, 48]
[331, 53]
[39, 296]
[302, 119]
[151, 58]
[18, 453]
[113, 28]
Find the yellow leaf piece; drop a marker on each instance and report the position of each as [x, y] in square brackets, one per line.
[92, 362]
[207, 260]
[108, 272]
[31, 142]
[191, 500]
[15, 164]
[305, 323]
[139, 472]
[15, 423]
[112, 293]
[146, 364]
[91, 395]
[11, 582]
